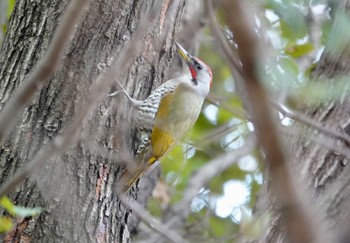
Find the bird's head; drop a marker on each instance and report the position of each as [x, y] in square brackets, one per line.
[201, 74]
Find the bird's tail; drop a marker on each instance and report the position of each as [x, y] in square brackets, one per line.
[129, 177]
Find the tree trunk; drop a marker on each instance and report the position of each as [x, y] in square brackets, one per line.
[320, 165]
[76, 189]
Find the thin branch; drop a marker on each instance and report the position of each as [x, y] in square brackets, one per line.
[322, 141]
[229, 53]
[45, 68]
[202, 177]
[296, 219]
[223, 104]
[151, 221]
[216, 133]
[210, 170]
[217, 33]
[306, 120]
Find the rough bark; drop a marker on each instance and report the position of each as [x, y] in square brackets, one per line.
[76, 189]
[321, 173]
[3, 19]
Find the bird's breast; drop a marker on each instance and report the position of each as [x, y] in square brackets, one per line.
[183, 111]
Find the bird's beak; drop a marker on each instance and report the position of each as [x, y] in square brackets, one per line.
[184, 54]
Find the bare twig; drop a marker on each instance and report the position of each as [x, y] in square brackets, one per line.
[306, 120]
[295, 218]
[229, 53]
[320, 140]
[216, 133]
[151, 221]
[225, 47]
[45, 68]
[236, 111]
[206, 173]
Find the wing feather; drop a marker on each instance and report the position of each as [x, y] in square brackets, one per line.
[172, 121]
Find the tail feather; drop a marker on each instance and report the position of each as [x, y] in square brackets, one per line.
[128, 179]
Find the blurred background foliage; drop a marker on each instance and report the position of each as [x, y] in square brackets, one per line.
[294, 33]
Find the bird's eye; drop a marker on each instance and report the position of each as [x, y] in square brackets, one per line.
[197, 64]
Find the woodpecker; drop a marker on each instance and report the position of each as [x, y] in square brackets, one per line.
[167, 115]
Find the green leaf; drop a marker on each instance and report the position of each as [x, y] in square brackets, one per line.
[292, 21]
[174, 161]
[6, 224]
[254, 188]
[292, 30]
[11, 5]
[289, 66]
[299, 50]
[7, 204]
[282, 74]
[202, 125]
[218, 226]
[234, 172]
[223, 116]
[18, 211]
